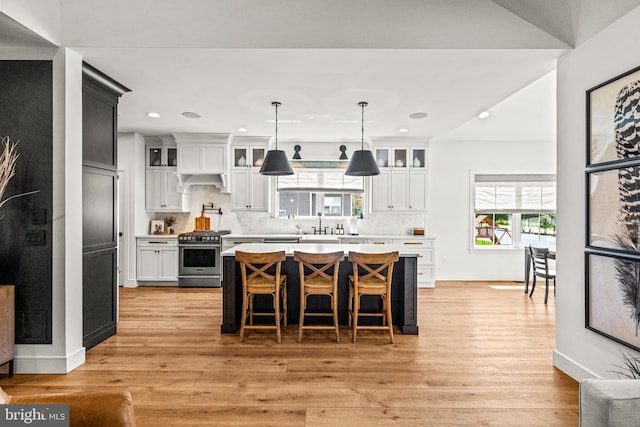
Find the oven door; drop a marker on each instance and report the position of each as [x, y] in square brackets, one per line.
[199, 260]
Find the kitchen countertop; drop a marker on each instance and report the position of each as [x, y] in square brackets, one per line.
[289, 248]
[157, 236]
[327, 236]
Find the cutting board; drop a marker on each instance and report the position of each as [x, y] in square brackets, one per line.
[203, 223]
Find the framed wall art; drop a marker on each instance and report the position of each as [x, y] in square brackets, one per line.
[612, 306]
[613, 208]
[612, 241]
[613, 119]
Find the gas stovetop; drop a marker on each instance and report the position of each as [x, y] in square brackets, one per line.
[202, 236]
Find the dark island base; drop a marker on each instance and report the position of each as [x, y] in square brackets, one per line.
[403, 296]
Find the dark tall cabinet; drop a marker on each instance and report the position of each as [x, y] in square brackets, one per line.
[99, 207]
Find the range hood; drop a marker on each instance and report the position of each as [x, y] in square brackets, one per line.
[186, 181]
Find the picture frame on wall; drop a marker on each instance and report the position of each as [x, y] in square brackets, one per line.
[613, 216]
[611, 308]
[612, 113]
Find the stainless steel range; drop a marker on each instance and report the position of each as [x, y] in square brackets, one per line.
[200, 260]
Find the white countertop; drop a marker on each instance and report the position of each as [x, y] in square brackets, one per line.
[157, 236]
[324, 236]
[289, 248]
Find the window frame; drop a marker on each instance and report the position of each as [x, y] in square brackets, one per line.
[516, 223]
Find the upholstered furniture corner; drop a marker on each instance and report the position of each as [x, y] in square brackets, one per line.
[611, 403]
[93, 408]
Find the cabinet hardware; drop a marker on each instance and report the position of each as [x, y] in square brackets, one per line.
[413, 243]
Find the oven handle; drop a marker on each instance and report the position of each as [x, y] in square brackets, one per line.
[206, 245]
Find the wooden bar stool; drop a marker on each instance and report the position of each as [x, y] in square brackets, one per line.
[372, 274]
[256, 280]
[318, 276]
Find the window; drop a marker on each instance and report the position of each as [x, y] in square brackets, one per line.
[312, 191]
[512, 210]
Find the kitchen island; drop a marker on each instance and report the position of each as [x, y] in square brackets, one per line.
[403, 286]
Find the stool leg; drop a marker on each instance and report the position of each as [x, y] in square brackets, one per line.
[356, 307]
[387, 309]
[284, 300]
[303, 306]
[276, 303]
[350, 308]
[243, 321]
[334, 307]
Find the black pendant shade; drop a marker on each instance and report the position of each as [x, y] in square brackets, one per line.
[362, 162]
[276, 162]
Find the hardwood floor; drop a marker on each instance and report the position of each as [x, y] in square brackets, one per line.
[483, 357]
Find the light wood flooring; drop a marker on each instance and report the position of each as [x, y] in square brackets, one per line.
[483, 357]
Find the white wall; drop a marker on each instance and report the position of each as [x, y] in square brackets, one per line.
[449, 217]
[131, 162]
[580, 352]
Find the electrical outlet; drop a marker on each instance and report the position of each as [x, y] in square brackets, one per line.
[34, 238]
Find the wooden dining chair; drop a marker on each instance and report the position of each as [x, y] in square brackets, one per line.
[372, 274]
[540, 263]
[318, 276]
[258, 279]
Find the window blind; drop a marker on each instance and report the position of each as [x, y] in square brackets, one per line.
[515, 193]
[334, 181]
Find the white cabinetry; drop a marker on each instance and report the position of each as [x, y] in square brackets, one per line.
[249, 189]
[161, 186]
[157, 259]
[425, 248]
[201, 153]
[402, 183]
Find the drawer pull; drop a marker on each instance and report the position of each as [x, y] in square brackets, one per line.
[420, 274]
[420, 256]
[158, 243]
[413, 243]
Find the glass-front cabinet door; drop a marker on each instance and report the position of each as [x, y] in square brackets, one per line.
[383, 157]
[400, 157]
[162, 156]
[248, 156]
[240, 157]
[257, 156]
[418, 158]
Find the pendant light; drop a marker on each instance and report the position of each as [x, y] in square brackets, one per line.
[362, 162]
[276, 162]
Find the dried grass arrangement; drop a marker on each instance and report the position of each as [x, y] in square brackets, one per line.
[8, 157]
[630, 368]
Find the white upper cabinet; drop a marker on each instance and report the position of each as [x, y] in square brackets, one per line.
[161, 186]
[200, 153]
[402, 184]
[249, 189]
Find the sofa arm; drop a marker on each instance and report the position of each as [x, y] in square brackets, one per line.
[613, 403]
[96, 409]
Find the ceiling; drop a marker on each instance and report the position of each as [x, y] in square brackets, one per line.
[227, 60]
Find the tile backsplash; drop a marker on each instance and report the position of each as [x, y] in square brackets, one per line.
[239, 222]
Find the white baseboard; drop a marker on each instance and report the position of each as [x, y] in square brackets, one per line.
[571, 368]
[49, 364]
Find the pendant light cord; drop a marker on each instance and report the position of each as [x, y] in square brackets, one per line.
[277, 104]
[363, 104]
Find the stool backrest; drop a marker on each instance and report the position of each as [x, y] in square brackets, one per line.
[257, 265]
[318, 265]
[373, 267]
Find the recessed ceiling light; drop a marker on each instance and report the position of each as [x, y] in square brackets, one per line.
[241, 129]
[191, 115]
[418, 115]
[484, 115]
[403, 130]
[154, 115]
